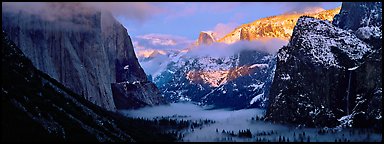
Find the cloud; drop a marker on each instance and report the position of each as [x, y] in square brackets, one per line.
[138, 11]
[49, 11]
[222, 29]
[269, 45]
[161, 42]
[155, 51]
[300, 7]
[154, 63]
[228, 120]
[135, 11]
[163, 51]
[64, 16]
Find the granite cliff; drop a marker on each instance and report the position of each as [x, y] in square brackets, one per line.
[85, 49]
[330, 74]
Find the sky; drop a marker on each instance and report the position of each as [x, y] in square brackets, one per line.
[187, 19]
[173, 25]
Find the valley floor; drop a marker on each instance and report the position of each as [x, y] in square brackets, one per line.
[228, 125]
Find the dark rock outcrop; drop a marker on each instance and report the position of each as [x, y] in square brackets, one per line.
[84, 49]
[329, 76]
[137, 94]
[206, 38]
[354, 15]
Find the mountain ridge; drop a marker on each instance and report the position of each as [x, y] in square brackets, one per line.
[278, 26]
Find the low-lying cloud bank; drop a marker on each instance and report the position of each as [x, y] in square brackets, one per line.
[269, 45]
[136, 11]
[160, 42]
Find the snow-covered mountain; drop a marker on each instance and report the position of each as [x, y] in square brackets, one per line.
[280, 26]
[237, 80]
[329, 74]
[223, 81]
[156, 51]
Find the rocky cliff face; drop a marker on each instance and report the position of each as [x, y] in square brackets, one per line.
[280, 26]
[86, 50]
[324, 75]
[125, 68]
[44, 110]
[356, 15]
[37, 108]
[364, 20]
[206, 38]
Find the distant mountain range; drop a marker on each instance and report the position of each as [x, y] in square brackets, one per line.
[280, 26]
[222, 80]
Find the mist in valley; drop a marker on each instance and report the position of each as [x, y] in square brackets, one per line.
[228, 123]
